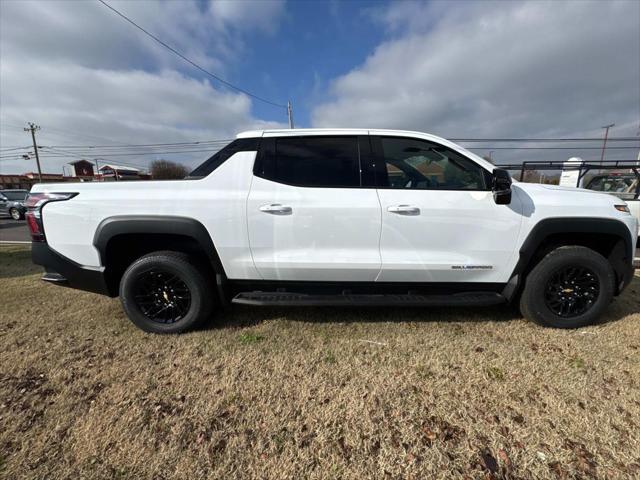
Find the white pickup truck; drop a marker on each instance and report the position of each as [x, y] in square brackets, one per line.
[335, 217]
[625, 186]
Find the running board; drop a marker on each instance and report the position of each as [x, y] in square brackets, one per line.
[408, 300]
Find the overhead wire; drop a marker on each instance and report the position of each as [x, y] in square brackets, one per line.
[191, 62]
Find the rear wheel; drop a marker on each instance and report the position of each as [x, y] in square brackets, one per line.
[16, 214]
[166, 292]
[569, 288]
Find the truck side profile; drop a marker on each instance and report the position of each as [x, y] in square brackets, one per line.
[336, 217]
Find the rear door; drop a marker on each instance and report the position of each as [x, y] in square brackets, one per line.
[439, 220]
[309, 218]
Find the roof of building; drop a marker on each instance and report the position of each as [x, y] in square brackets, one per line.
[79, 161]
[120, 168]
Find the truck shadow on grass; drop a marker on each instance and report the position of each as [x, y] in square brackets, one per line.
[243, 316]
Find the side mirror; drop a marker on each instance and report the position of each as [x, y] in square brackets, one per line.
[501, 186]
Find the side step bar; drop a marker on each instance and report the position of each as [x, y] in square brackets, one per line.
[408, 300]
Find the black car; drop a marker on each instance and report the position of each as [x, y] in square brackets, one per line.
[12, 203]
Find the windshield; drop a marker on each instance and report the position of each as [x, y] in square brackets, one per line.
[614, 184]
[19, 195]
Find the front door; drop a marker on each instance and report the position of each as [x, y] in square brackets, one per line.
[439, 220]
[308, 217]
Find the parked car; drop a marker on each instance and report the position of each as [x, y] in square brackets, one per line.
[12, 203]
[336, 217]
[625, 186]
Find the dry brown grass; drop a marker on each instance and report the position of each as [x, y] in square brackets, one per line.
[275, 393]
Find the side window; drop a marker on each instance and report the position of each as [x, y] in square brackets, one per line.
[418, 164]
[312, 161]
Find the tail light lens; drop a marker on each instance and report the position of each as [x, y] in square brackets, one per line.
[34, 204]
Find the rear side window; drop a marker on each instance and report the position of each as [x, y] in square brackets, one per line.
[239, 145]
[311, 161]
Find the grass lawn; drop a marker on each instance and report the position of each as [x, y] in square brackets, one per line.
[311, 393]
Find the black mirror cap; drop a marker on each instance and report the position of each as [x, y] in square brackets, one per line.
[501, 186]
[502, 198]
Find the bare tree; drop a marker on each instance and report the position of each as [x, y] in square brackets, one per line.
[167, 170]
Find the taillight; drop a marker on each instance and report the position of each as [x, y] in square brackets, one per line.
[34, 204]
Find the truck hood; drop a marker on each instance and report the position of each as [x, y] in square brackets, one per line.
[536, 190]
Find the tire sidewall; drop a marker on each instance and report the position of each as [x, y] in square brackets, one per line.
[183, 270]
[534, 297]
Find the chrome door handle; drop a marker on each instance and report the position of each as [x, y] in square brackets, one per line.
[276, 209]
[404, 210]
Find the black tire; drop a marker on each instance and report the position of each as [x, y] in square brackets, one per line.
[555, 297]
[171, 283]
[16, 214]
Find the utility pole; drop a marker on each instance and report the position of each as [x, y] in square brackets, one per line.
[604, 144]
[290, 114]
[32, 128]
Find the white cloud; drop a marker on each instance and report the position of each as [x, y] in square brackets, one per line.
[83, 71]
[246, 15]
[478, 69]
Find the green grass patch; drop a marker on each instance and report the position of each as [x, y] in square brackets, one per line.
[495, 373]
[249, 338]
[577, 362]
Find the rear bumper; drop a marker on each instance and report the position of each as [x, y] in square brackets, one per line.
[63, 271]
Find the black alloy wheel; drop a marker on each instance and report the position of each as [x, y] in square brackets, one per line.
[162, 296]
[571, 291]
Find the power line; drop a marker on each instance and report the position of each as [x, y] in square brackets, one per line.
[128, 154]
[83, 158]
[227, 140]
[3, 150]
[149, 145]
[213, 75]
[66, 133]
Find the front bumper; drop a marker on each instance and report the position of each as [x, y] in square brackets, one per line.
[63, 271]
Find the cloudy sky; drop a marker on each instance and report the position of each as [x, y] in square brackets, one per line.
[457, 69]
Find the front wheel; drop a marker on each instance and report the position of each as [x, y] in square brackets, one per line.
[16, 214]
[166, 292]
[569, 288]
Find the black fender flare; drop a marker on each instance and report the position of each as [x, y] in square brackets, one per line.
[152, 224]
[622, 263]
